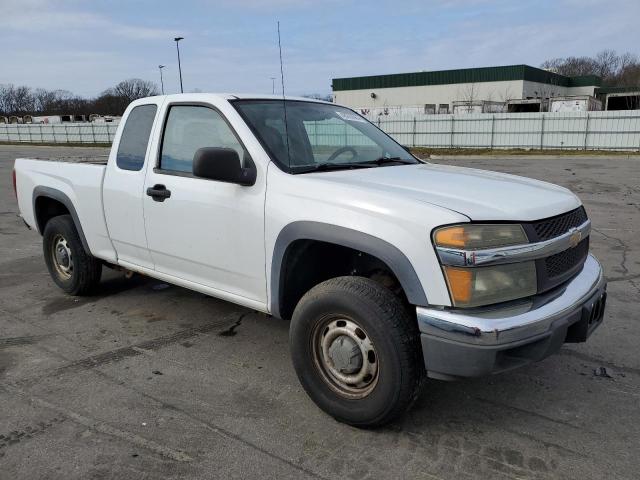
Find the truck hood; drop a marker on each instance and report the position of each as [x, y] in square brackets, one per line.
[477, 194]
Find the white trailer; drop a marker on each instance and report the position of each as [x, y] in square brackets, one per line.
[46, 119]
[578, 103]
[478, 106]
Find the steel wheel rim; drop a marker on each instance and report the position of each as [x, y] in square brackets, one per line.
[336, 338]
[61, 257]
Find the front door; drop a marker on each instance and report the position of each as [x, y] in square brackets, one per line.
[204, 231]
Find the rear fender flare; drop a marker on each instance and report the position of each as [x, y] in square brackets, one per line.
[61, 197]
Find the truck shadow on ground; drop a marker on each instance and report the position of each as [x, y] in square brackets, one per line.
[112, 285]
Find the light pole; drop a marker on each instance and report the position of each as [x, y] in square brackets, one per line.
[273, 85]
[160, 67]
[177, 39]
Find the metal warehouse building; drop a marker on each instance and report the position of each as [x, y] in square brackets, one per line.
[439, 91]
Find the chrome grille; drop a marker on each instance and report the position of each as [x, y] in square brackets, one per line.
[560, 267]
[561, 263]
[552, 227]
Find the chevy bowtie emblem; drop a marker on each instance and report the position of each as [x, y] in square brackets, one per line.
[575, 238]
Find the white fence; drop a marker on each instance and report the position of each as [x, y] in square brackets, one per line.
[608, 130]
[58, 133]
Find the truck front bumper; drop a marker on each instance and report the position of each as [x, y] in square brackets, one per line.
[476, 342]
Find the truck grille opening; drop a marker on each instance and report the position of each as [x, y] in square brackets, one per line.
[555, 226]
[561, 263]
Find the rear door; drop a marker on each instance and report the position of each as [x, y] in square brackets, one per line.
[204, 231]
[122, 190]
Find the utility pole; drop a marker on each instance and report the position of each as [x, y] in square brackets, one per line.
[177, 39]
[160, 67]
[273, 85]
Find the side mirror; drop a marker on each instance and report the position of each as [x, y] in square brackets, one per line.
[222, 164]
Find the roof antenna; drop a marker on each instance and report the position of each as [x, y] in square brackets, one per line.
[284, 103]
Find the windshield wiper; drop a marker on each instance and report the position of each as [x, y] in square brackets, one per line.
[383, 160]
[324, 167]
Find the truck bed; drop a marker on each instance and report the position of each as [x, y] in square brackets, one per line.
[74, 179]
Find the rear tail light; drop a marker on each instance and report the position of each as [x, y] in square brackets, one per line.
[15, 188]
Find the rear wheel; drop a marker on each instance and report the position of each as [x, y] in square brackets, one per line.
[70, 266]
[356, 351]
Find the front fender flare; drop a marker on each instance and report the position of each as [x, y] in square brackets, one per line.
[324, 232]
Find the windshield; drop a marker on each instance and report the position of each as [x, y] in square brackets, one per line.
[319, 135]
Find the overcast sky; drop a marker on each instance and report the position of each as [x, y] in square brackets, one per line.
[231, 45]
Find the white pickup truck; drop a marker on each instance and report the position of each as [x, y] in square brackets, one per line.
[390, 269]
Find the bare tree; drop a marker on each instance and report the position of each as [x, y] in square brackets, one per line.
[5, 93]
[45, 100]
[627, 60]
[108, 104]
[505, 95]
[606, 64]
[22, 100]
[134, 89]
[570, 66]
[468, 96]
[15, 100]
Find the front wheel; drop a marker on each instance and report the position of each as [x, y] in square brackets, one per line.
[356, 351]
[70, 266]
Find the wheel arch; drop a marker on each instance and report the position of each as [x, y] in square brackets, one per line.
[380, 249]
[41, 198]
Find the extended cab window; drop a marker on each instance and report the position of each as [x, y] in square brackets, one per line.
[135, 137]
[189, 128]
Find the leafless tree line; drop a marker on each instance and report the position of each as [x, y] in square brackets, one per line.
[617, 70]
[23, 100]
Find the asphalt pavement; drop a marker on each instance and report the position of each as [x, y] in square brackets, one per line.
[149, 380]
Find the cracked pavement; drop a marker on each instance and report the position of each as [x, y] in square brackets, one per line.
[146, 380]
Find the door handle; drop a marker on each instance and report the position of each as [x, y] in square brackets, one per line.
[158, 192]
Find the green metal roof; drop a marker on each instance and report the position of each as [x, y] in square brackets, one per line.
[585, 81]
[465, 75]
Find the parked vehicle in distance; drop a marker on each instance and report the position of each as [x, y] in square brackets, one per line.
[390, 269]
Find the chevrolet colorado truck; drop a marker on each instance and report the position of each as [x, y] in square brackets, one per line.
[390, 269]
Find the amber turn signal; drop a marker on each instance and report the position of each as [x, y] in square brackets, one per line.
[460, 283]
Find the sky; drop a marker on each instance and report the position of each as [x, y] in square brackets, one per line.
[86, 46]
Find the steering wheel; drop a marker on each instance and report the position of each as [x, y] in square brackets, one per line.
[342, 150]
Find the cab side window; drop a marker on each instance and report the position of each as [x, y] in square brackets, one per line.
[189, 128]
[135, 138]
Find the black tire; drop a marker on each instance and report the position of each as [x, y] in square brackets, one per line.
[386, 323]
[85, 271]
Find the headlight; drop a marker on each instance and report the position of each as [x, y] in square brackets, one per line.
[475, 286]
[476, 236]
[472, 287]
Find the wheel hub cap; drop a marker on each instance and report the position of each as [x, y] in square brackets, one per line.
[62, 256]
[345, 355]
